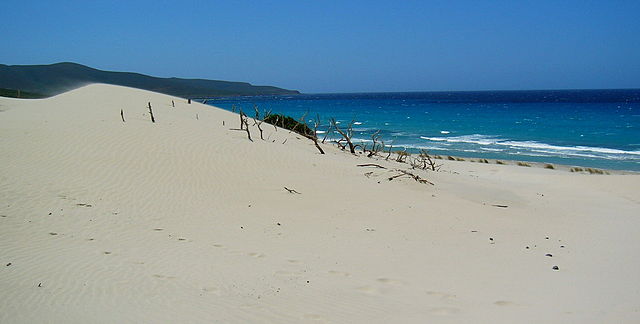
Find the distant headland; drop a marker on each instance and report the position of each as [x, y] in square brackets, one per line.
[48, 80]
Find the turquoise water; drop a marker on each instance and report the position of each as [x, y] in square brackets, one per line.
[591, 128]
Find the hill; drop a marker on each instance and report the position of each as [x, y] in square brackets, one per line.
[56, 78]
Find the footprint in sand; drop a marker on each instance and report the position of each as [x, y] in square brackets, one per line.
[388, 281]
[504, 303]
[339, 273]
[368, 290]
[256, 255]
[293, 274]
[444, 311]
[442, 295]
[163, 277]
[315, 317]
[212, 290]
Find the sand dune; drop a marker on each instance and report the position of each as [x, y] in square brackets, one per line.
[187, 221]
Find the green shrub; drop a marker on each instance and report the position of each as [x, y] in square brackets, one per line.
[289, 123]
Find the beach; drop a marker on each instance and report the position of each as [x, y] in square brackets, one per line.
[185, 220]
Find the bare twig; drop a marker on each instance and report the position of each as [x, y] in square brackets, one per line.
[346, 135]
[153, 120]
[371, 165]
[293, 191]
[413, 176]
[257, 121]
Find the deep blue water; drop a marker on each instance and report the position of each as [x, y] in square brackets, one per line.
[592, 128]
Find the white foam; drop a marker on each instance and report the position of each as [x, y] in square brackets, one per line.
[581, 151]
[445, 132]
[357, 123]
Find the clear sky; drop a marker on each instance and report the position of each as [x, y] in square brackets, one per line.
[339, 46]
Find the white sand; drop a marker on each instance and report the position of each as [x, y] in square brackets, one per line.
[189, 223]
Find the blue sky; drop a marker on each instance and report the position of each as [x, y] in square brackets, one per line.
[339, 46]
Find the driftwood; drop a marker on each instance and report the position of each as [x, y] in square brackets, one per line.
[401, 174]
[257, 121]
[413, 176]
[372, 165]
[244, 125]
[424, 161]
[314, 137]
[293, 191]
[346, 135]
[327, 133]
[122, 115]
[153, 120]
[375, 147]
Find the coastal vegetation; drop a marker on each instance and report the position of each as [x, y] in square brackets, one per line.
[11, 93]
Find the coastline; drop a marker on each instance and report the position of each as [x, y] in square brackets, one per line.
[186, 220]
[588, 129]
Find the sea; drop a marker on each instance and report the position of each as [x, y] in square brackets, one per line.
[587, 128]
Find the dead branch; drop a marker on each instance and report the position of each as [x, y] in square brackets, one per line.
[153, 120]
[326, 133]
[402, 156]
[390, 148]
[301, 121]
[375, 148]
[293, 191]
[409, 174]
[314, 137]
[122, 115]
[371, 165]
[345, 135]
[257, 121]
[246, 127]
